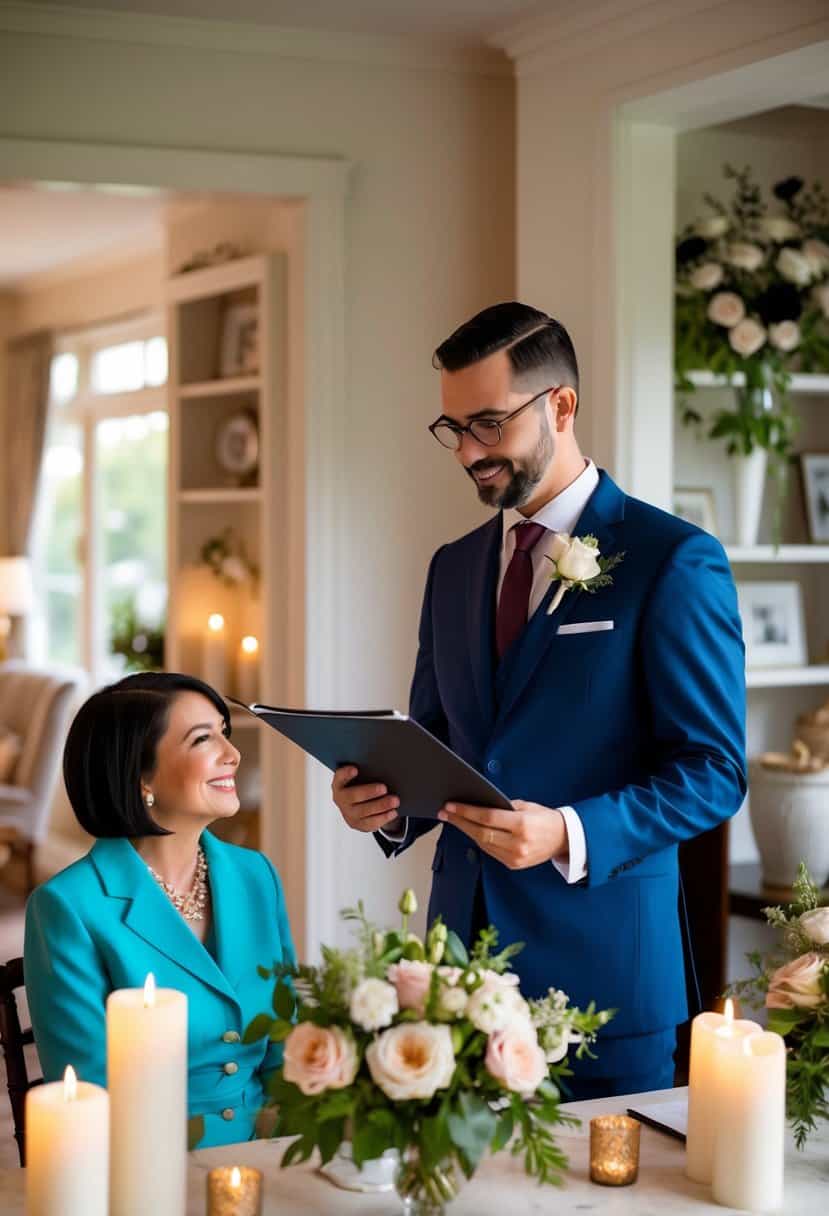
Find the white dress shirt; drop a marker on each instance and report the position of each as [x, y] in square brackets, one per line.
[561, 514]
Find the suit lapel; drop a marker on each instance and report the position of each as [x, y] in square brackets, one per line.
[152, 917]
[604, 510]
[484, 559]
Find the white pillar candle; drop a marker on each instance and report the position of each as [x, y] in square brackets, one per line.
[214, 653]
[147, 1076]
[247, 670]
[750, 1121]
[67, 1149]
[707, 1031]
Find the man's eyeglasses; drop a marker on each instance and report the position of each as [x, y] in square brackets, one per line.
[486, 431]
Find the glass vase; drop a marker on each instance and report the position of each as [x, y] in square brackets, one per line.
[426, 1192]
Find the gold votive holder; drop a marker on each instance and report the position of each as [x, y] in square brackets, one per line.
[614, 1150]
[234, 1190]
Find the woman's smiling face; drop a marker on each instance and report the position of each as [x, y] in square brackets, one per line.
[195, 765]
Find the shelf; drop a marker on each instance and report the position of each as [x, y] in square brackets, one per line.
[243, 494]
[787, 677]
[737, 554]
[800, 383]
[226, 387]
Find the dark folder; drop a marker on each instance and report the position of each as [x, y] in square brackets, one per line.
[388, 747]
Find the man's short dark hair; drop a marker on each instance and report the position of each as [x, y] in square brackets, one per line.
[112, 745]
[534, 343]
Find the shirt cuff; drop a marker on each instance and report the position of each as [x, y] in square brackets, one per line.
[575, 868]
[401, 834]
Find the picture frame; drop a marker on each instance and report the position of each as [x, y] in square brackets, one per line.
[696, 505]
[814, 469]
[774, 629]
[239, 353]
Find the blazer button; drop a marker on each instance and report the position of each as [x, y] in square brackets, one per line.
[471, 856]
[231, 1036]
[231, 1067]
[493, 766]
[228, 1113]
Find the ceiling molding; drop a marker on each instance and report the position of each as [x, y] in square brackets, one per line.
[441, 55]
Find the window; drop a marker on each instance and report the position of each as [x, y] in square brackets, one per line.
[99, 551]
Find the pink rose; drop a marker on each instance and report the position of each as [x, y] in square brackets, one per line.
[411, 979]
[797, 984]
[412, 1060]
[515, 1059]
[319, 1058]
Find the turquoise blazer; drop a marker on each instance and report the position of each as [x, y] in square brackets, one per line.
[104, 922]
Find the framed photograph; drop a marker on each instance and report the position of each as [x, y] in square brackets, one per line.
[773, 625]
[696, 506]
[814, 467]
[239, 354]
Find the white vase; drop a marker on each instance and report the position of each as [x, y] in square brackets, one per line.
[749, 484]
[790, 818]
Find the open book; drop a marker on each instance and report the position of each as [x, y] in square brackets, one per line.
[388, 747]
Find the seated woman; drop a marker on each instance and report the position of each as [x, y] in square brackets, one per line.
[148, 766]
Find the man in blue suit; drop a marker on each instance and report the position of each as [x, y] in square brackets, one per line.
[613, 715]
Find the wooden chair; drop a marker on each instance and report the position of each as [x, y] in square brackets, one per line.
[14, 1040]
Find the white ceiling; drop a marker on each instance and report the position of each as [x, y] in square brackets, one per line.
[464, 20]
[46, 229]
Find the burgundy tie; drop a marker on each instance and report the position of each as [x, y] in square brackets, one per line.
[514, 600]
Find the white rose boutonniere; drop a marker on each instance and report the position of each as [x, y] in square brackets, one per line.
[577, 563]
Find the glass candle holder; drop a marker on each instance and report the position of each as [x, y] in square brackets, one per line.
[234, 1190]
[614, 1150]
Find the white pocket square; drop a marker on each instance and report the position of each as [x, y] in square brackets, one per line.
[586, 627]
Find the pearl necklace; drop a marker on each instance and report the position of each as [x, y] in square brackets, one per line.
[191, 905]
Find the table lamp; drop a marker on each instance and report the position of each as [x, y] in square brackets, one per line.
[15, 595]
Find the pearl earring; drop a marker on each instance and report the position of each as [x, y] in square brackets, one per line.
[149, 799]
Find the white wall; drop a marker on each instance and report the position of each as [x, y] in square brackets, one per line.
[430, 240]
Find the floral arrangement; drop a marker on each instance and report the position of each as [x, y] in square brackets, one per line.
[794, 984]
[225, 555]
[752, 297]
[577, 563]
[419, 1046]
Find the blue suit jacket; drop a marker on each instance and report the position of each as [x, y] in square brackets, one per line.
[639, 728]
[104, 922]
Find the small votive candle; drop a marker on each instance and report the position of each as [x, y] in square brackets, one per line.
[614, 1150]
[234, 1190]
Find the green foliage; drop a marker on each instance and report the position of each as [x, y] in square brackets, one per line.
[141, 644]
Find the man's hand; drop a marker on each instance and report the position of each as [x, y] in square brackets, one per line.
[526, 836]
[366, 808]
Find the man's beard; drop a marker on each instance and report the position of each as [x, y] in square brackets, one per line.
[524, 475]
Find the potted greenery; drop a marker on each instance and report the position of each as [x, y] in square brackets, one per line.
[752, 305]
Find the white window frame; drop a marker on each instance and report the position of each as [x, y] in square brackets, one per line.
[85, 409]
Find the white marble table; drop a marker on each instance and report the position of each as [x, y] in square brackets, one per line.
[500, 1184]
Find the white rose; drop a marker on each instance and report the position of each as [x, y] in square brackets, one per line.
[492, 1008]
[452, 1002]
[822, 297]
[747, 337]
[726, 308]
[234, 570]
[709, 229]
[373, 1004]
[412, 1060]
[816, 254]
[707, 277]
[815, 925]
[579, 563]
[745, 256]
[785, 335]
[779, 227]
[794, 267]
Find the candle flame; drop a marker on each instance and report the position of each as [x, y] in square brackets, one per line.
[249, 644]
[215, 622]
[149, 991]
[235, 1178]
[728, 1012]
[70, 1084]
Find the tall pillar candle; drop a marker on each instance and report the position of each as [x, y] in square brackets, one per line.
[707, 1031]
[750, 1123]
[67, 1149]
[147, 1078]
[247, 670]
[214, 653]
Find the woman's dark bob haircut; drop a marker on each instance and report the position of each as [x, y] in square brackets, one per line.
[111, 747]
